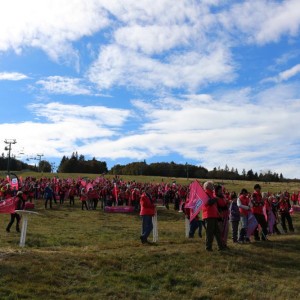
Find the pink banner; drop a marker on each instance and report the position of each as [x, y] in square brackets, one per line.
[7, 206]
[14, 183]
[197, 198]
[89, 186]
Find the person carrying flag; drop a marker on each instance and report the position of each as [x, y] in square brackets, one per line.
[210, 216]
[19, 205]
[195, 223]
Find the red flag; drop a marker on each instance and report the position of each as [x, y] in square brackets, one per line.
[8, 206]
[197, 198]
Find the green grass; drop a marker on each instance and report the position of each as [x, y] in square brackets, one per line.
[75, 254]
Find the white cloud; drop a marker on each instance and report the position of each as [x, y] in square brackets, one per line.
[64, 85]
[51, 25]
[14, 76]
[99, 115]
[116, 66]
[285, 75]
[153, 39]
[262, 21]
[65, 128]
[200, 127]
[283, 18]
[249, 136]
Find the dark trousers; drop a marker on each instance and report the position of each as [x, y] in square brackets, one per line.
[147, 227]
[12, 220]
[194, 225]
[235, 229]
[61, 199]
[84, 204]
[95, 203]
[285, 216]
[261, 220]
[212, 230]
[50, 202]
[72, 200]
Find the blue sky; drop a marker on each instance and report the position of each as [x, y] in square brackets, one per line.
[210, 82]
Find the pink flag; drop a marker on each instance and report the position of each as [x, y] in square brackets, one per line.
[89, 186]
[197, 198]
[252, 224]
[14, 183]
[7, 206]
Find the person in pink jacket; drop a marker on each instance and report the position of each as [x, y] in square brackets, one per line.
[147, 212]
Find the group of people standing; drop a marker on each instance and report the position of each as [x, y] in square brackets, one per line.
[256, 213]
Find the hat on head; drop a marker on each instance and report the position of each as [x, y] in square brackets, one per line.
[19, 193]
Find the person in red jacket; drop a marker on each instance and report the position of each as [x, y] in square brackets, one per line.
[294, 198]
[284, 211]
[210, 216]
[147, 212]
[84, 198]
[257, 209]
[223, 208]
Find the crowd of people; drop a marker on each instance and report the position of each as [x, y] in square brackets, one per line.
[248, 213]
[107, 192]
[256, 213]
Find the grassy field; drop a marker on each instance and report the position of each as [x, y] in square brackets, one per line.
[75, 254]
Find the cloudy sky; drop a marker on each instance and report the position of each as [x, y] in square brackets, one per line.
[209, 82]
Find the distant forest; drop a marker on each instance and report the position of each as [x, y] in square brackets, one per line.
[78, 164]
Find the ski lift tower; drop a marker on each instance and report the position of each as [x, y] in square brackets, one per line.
[9, 142]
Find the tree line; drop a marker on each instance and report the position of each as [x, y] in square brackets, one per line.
[172, 169]
[78, 164]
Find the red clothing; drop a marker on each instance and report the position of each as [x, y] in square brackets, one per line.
[257, 203]
[223, 207]
[83, 197]
[147, 206]
[245, 201]
[294, 197]
[284, 205]
[210, 211]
